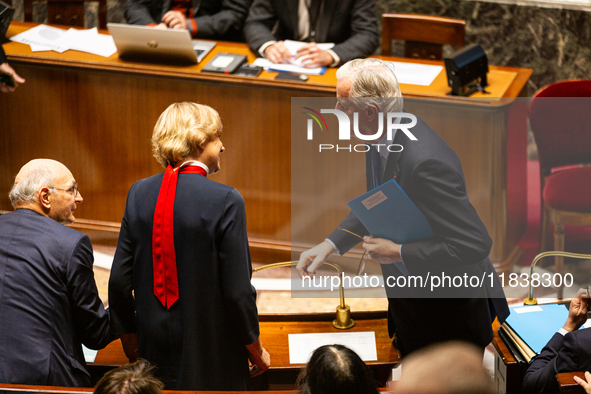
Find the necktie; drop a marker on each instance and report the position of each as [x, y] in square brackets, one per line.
[166, 286]
[377, 168]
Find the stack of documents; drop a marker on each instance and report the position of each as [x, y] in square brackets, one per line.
[47, 38]
[294, 65]
[529, 328]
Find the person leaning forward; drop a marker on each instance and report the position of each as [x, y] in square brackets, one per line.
[48, 297]
[430, 173]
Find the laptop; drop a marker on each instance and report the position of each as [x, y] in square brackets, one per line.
[143, 43]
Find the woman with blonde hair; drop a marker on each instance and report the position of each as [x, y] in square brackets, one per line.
[180, 283]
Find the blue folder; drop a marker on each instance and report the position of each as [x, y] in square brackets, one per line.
[537, 323]
[387, 212]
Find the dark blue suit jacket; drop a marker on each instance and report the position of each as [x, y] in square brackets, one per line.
[49, 302]
[350, 24]
[568, 353]
[430, 173]
[215, 19]
[199, 343]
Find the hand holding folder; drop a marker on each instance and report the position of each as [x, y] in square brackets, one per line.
[388, 213]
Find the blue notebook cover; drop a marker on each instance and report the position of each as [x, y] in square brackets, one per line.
[387, 212]
[536, 324]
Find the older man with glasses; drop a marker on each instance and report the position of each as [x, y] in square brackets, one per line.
[48, 297]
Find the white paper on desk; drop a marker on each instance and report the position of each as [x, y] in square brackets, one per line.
[39, 48]
[89, 41]
[270, 66]
[301, 346]
[416, 74]
[89, 354]
[41, 35]
[294, 46]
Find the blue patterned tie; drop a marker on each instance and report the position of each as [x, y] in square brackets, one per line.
[377, 168]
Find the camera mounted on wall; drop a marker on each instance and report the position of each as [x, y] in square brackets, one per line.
[466, 71]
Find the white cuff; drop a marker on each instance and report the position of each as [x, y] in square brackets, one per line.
[336, 250]
[562, 332]
[336, 58]
[265, 46]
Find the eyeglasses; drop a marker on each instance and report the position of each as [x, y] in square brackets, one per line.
[365, 255]
[73, 190]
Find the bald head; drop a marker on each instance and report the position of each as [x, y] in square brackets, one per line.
[452, 368]
[53, 167]
[47, 187]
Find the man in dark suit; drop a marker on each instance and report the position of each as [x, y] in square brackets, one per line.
[350, 24]
[48, 296]
[211, 19]
[430, 173]
[5, 67]
[569, 350]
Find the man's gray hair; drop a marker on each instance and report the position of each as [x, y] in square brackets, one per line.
[375, 80]
[27, 188]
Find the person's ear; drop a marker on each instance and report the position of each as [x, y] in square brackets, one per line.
[372, 112]
[45, 197]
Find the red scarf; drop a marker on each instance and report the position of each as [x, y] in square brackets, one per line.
[166, 286]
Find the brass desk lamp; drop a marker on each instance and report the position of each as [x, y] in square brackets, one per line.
[531, 300]
[343, 319]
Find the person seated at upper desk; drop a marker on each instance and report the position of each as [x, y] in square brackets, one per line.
[211, 19]
[569, 350]
[350, 24]
[5, 67]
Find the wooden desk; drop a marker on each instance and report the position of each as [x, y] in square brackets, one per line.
[274, 335]
[508, 372]
[567, 382]
[96, 115]
[24, 388]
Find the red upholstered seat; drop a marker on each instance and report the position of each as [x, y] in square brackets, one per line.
[560, 118]
[569, 190]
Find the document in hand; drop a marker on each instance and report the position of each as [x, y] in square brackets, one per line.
[387, 212]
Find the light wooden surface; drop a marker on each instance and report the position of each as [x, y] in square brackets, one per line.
[96, 115]
[274, 336]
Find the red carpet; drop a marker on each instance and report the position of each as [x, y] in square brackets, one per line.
[577, 238]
